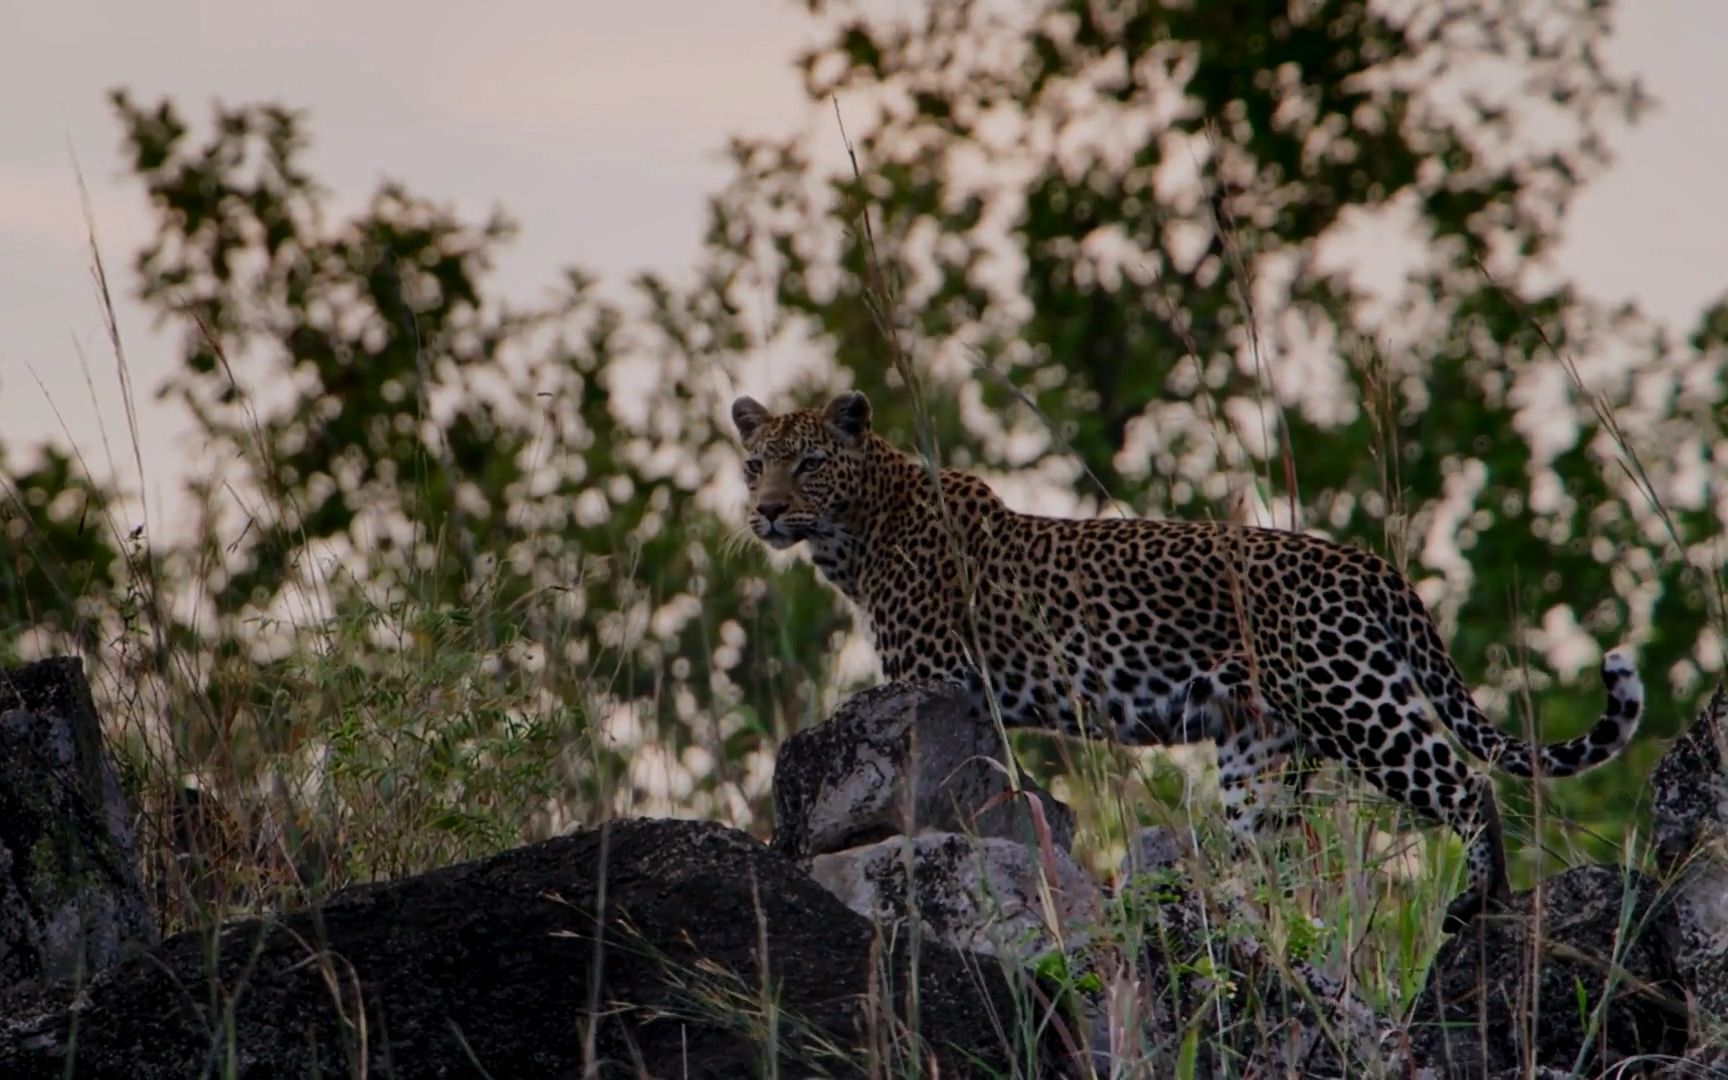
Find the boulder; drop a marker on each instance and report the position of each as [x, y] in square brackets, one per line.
[900, 806]
[1575, 974]
[899, 760]
[71, 903]
[1689, 814]
[1689, 791]
[659, 948]
[988, 895]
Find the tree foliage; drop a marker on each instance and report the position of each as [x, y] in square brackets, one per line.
[381, 430]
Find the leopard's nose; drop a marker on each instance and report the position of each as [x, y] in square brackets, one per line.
[771, 510]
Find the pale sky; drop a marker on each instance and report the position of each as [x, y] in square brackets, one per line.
[598, 127]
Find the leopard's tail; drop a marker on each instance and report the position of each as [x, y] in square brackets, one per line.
[1451, 698]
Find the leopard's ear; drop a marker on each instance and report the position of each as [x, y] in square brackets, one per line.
[849, 416]
[749, 414]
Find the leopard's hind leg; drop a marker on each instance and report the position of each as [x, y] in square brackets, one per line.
[1364, 709]
[1255, 746]
[1419, 768]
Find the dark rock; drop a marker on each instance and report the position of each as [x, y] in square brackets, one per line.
[70, 899]
[1505, 991]
[1689, 812]
[898, 760]
[501, 965]
[1689, 790]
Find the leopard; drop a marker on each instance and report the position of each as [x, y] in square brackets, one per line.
[1282, 647]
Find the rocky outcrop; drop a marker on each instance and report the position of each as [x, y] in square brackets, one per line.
[70, 900]
[659, 948]
[1577, 974]
[913, 907]
[1689, 811]
[1600, 968]
[920, 765]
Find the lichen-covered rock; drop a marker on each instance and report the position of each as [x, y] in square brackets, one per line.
[70, 899]
[899, 760]
[657, 948]
[1689, 812]
[1689, 790]
[988, 895]
[1588, 978]
[1699, 912]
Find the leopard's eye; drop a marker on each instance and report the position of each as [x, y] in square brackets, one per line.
[752, 467]
[810, 463]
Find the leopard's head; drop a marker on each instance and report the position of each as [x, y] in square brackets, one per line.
[805, 468]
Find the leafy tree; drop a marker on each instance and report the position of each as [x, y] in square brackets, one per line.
[61, 575]
[440, 583]
[380, 430]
